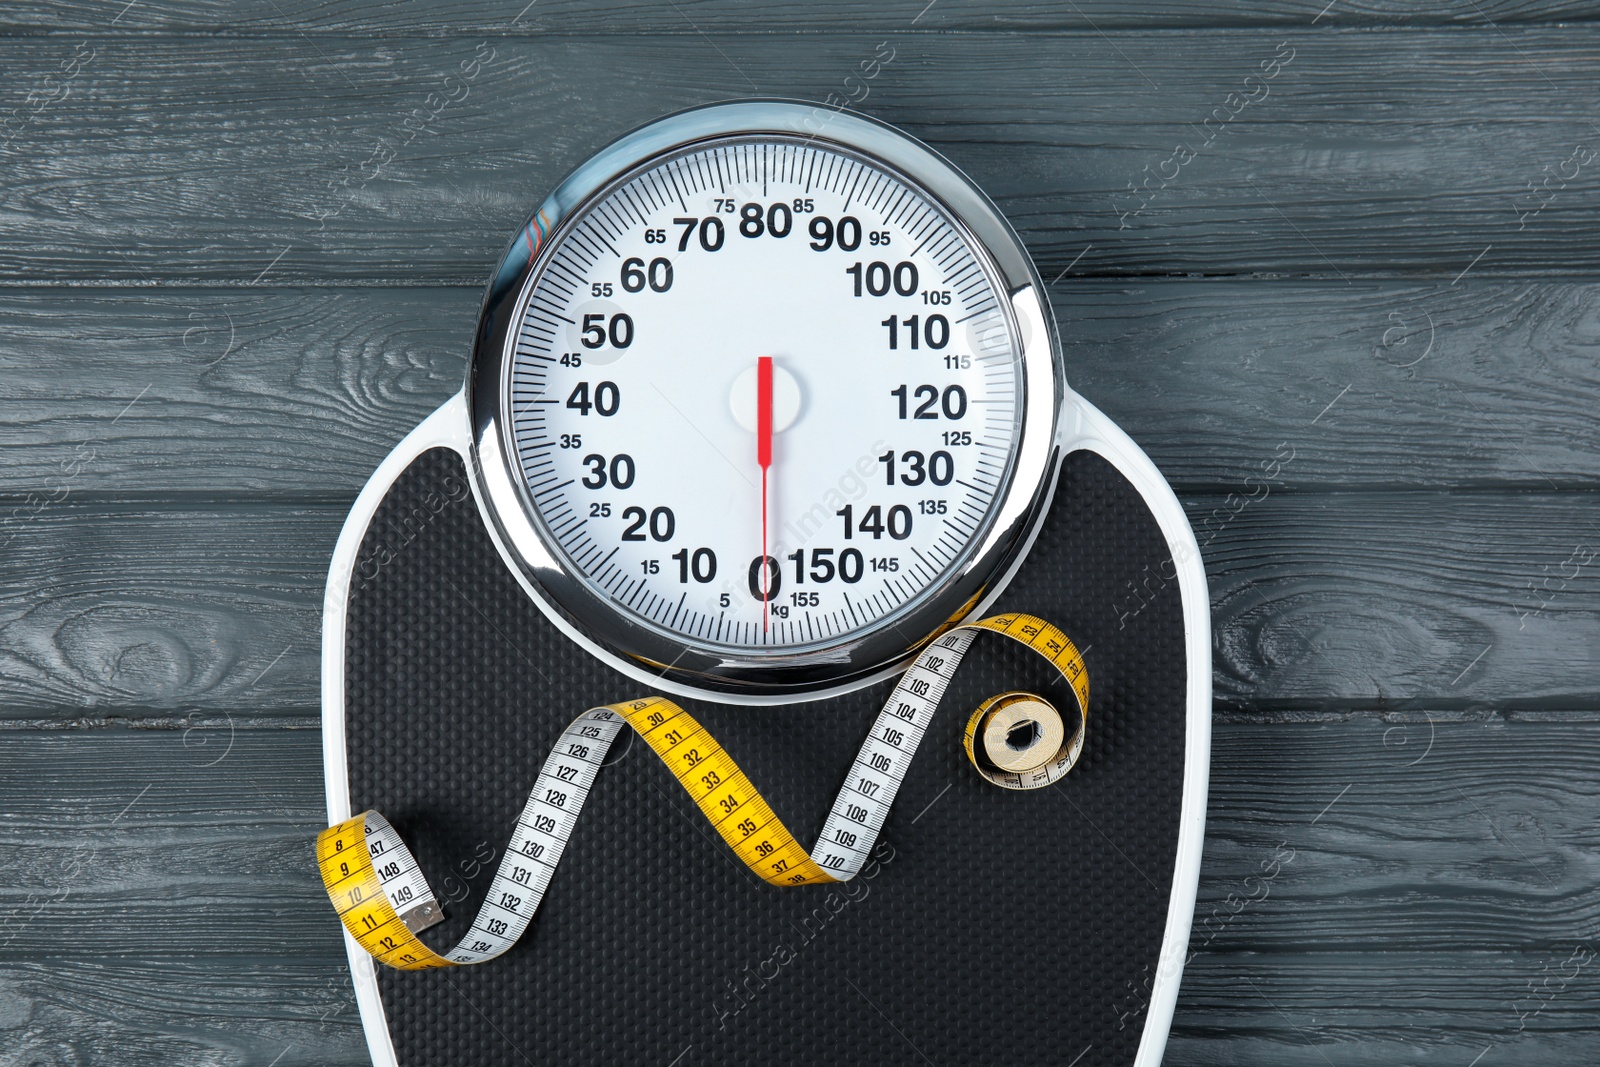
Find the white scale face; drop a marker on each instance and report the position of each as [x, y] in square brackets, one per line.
[636, 394]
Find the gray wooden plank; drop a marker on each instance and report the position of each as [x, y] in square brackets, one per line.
[724, 16]
[170, 609]
[1340, 857]
[284, 158]
[106, 830]
[1400, 833]
[1358, 602]
[1235, 1009]
[164, 1012]
[295, 392]
[1374, 385]
[1246, 1009]
[1377, 601]
[299, 393]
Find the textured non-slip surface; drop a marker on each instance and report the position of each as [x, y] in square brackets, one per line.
[991, 913]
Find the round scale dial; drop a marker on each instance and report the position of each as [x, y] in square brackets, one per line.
[762, 411]
[637, 394]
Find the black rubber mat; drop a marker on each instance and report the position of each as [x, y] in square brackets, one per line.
[995, 924]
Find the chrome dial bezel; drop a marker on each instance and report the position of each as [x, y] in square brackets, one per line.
[856, 658]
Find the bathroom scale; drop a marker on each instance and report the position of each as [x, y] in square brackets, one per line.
[766, 656]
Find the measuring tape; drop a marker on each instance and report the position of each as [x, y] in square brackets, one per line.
[1015, 740]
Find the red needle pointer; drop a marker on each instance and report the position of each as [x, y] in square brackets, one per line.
[764, 457]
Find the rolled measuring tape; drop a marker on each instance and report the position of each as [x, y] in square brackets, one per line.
[1015, 740]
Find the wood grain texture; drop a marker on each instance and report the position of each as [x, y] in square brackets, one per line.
[1487, 884]
[154, 1012]
[358, 160]
[1405, 833]
[1236, 1009]
[1459, 601]
[1428, 1009]
[690, 16]
[298, 394]
[723, 16]
[219, 310]
[1358, 602]
[167, 610]
[1352, 876]
[210, 827]
[290, 393]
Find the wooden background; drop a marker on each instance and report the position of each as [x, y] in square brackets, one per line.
[242, 247]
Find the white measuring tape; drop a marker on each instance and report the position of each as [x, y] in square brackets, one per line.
[1015, 740]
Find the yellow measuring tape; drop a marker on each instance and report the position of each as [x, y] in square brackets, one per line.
[1015, 740]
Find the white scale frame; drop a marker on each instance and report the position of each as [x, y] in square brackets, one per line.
[1081, 427]
[1078, 425]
